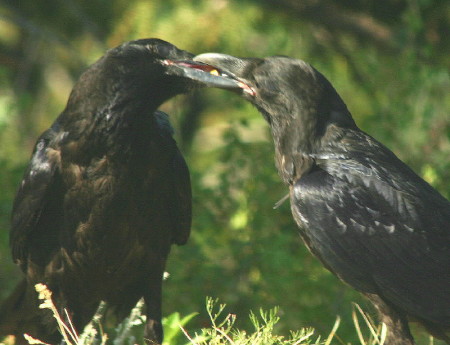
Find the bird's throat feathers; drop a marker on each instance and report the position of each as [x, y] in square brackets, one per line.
[299, 138]
[293, 150]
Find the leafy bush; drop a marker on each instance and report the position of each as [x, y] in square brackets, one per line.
[222, 329]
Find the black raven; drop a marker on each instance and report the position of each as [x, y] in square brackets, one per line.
[105, 194]
[365, 214]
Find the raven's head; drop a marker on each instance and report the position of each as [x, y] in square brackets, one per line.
[145, 70]
[289, 93]
[162, 61]
[304, 111]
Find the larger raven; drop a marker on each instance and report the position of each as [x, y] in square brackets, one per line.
[105, 195]
[365, 214]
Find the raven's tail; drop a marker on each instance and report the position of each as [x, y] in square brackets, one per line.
[12, 311]
[20, 314]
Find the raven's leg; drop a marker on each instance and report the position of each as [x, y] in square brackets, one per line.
[153, 299]
[80, 317]
[398, 332]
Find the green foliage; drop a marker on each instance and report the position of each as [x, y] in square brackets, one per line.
[221, 329]
[173, 328]
[389, 63]
[224, 332]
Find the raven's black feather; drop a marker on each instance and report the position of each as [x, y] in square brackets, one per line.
[105, 195]
[365, 214]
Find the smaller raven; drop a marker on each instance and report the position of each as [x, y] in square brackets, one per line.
[365, 214]
[105, 195]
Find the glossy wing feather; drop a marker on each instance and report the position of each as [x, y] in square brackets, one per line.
[36, 198]
[380, 228]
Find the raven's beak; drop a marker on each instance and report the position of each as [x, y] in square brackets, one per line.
[207, 74]
[229, 66]
[203, 73]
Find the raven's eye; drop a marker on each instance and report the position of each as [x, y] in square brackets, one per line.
[164, 50]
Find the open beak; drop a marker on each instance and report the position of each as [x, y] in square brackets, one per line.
[230, 66]
[208, 74]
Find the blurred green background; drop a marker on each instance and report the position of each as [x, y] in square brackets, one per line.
[388, 59]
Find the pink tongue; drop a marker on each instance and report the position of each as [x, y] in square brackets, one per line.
[202, 67]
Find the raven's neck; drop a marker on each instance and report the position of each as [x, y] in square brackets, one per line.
[128, 133]
[293, 148]
[124, 129]
[299, 141]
